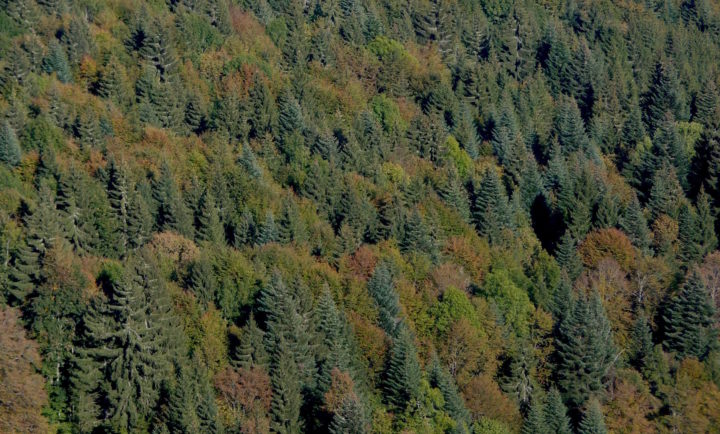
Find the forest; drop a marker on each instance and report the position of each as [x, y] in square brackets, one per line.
[359, 216]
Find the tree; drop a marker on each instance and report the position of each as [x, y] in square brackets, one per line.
[22, 392]
[490, 207]
[286, 397]
[707, 105]
[567, 256]
[689, 327]
[454, 404]
[662, 97]
[535, 421]
[128, 339]
[593, 421]
[705, 223]
[209, 227]
[571, 128]
[381, 288]
[171, 213]
[334, 350]
[57, 62]
[251, 351]
[403, 374]
[688, 235]
[268, 232]
[585, 351]
[634, 224]
[350, 418]
[556, 416]
[9, 146]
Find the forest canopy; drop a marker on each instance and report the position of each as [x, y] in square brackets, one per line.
[359, 216]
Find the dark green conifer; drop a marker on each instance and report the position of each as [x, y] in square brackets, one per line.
[350, 418]
[567, 256]
[535, 421]
[209, 226]
[286, 397]
[662, 97]
[57, 62]
[593, 421]
[9, 146]
[705, 223]
[688, 235]
[490, 208]
[571, 128]
[707, 105]
[689, 327]
[268, 232]
[556, 417]
[454, 404]
[403, 375]
[381, 288]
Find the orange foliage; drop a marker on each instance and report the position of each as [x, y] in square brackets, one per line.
[466, 352]
[175, 247]
[362, 263]
[340, 387]
[22, 389]
[604, 243]
[245, 396]
[484, 398]
[474, 257]
[630, 406]
[665, 233]
[371, 340]
[447, 275]
[695, 400]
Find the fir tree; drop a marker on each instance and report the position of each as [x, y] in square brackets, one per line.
[251, 351]
[350, 418]
[268, 232]
[570, 127]
[490, 207]
[57, 62]
[689, 327]
[634, 224]
[382, 290]
[593, 421]
[9, 146]
[171, 211]
[707, 105]
[202, 281]
[403, 374]
[286, 398]
[662, 96]
[454, 404]
[535, 421]
[209, 226]
[22, 274]
[688, 235]
[705, 223]
[585, 351]
[334, 350]
[455, 195]
[567, 256]
[556, 417]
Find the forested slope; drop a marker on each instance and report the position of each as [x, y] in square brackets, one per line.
[356, 216]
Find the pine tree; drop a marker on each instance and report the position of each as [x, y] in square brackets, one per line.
[139, 222]
[263, 108]
[350, 418]
[585, 351]
[705, 170]
[334, 350]
[22, 274]
[556, 417]
[707, 105]
[118, 195]
[689, 328]
[593, 421]
[381, 288]
[202, 281]
[643, 343]
[403, 374]
[665, 193]
[455, 195]
[490, 207]
[291, 117]
[415, 235]
[9, 146]
[171, 211]
[209, 226]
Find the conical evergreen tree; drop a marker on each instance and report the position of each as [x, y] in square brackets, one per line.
[334, 351]
[22, 274]
[705, 223]
[688, 235]
[268, 232]
[707, 105]
[556, 417]
[171, 211]
[570, 127]
[209, 227]
[139, 222]
[455, 195]
[57, 62]
[585, 351]
[490, 207]
[454, 404]
[9, 146]
[286, 398]
[593, 421]
[662, 96]
[535, 421]
[643, 343]
[567, 256]
[689, 328]
[251, 349]
[350, 418]
[381, 288]
[634, 224]
[403, 375]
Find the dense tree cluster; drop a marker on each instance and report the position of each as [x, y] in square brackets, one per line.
[356, 216]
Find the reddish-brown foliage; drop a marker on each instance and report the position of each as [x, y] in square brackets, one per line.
[245, 395]
[604, 243]
[485, 399]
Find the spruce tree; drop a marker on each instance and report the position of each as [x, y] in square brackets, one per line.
[9, 146]
[403, 374]
[705, 223]
[662, 96]
[535, 421]
[268, 232]
[707, 105]
[634, 224]
[22, 274]
[567, 256]
[593, 421]
[556, 417]
[139, 222]
[209, 227]
[350, 418]
[585, 351]
[202, 282]
[251, 350]
[688, 235]
[689, 326]
[57, 62]
[381, 288]
[118, 195]
[490, 207]
[571, 128]
[171, 213]
[642, 343]
[454, 405]
[286, 397]
[455, 195]
[334, 349]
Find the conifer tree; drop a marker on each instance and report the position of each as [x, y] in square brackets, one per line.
[634, 224]
[535, 421]
[570, 127]
[403, 374]
[251, 349]
[643, 343]
[689, 327]
[585, 350]
[350, 418]
[593, 421]
[455, 195]
[381, 288]
[57, 62]
[209, 226]
[334, 351]
[662, 96]
[22, 274]
[171, 211]
[202, 281]
[454, 404]
[139, 222]
[556, 416]
[268, 232]
[707, 105]
[291, 117]
[286, 398]
[688, 235]
[665, 193]
[567, 256]
[9, 146]
[490, 207]
[705, 223]
[118, 195]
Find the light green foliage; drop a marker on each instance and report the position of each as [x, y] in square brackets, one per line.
[513, 302]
